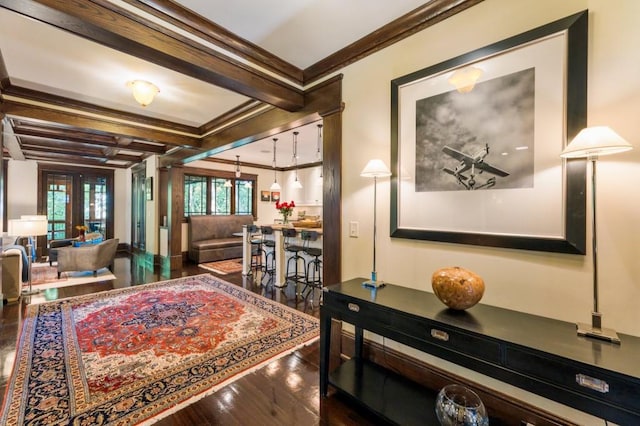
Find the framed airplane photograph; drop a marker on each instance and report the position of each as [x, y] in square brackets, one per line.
[476, 143]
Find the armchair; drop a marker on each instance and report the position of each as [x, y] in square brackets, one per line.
[87, 258]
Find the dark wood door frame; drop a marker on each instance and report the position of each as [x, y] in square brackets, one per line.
[46, 168]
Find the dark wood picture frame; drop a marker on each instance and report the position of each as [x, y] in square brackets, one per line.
[573, 240]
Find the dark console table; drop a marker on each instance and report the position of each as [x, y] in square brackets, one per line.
[541, 355]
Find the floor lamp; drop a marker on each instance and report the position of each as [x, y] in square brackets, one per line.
[31, 227]
[591, 143]
[375, 169]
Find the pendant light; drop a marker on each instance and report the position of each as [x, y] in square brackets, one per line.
[318, 152]
[275, 186]
[238, 173]
[296, 182]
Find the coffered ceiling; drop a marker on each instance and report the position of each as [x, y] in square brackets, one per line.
[64, 65]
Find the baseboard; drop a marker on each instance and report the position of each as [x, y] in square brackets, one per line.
[505, 408]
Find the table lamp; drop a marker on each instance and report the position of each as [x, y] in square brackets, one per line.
[30, 226]
[375, 169]
[591, 143]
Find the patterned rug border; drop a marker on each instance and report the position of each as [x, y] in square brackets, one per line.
[158, 413]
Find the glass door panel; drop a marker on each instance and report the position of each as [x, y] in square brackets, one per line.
[59, 207]
[95, 203]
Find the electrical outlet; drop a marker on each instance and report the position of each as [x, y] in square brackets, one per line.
[354, 229]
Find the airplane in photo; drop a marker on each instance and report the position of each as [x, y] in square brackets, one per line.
[472, 162]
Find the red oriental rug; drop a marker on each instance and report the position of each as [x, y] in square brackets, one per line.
[135, 355]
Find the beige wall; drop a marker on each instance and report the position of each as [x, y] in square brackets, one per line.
[552, 285]
[547, 284]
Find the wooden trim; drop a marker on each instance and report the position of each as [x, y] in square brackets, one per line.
[210, 31]
[417, 20]
[87, 108]
[243, 111]
[19, 109]
[119, 29]
[331, 198]
[503, 407]
[175, 198]
[261, 166]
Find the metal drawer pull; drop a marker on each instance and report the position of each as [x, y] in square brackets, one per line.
[353, 307]
[592, 383]
[440, 335]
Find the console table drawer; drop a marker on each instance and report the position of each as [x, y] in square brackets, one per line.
[610, 388]
[449, 338]
[362, 311]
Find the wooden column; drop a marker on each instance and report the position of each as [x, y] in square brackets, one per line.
[175, 200]
[332, 194]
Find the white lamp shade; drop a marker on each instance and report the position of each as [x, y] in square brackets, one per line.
[275, 186]
[143, 91]
[375, 168]
[595, 141]
[297, 184]
[27, 227]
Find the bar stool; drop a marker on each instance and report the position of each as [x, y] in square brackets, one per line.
[313, 275]
[256, 248]
[293, 273]
[269, 250]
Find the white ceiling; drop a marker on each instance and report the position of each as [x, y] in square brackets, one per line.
[301, 32]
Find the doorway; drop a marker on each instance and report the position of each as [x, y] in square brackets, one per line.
[73, 197]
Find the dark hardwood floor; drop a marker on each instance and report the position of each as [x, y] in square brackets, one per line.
[284, 392]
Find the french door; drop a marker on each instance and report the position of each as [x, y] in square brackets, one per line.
[71, 197]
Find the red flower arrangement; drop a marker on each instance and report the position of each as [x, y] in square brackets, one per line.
[286, 209]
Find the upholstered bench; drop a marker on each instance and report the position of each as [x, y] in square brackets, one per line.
[211, 237]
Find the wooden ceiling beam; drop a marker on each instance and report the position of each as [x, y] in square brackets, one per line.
[73, 159]
[119, 29]
[81, 140]
[18, 109]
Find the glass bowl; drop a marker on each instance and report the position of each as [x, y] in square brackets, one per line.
[457, 405]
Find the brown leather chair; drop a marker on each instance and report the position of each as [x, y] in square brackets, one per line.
[90, 257]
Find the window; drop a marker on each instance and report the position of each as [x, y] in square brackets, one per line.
[218, 193]
[244, 196]
[220, 197]
[195, 195]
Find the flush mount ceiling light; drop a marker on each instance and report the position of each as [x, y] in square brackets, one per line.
[464, 79]
[143, 91]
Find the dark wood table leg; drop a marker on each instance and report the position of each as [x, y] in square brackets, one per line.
[325, 350]
[359, 339]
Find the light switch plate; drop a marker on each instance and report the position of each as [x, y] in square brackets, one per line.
[354, 229]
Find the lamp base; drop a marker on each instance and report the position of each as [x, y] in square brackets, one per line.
[373, 282]
[606, 334]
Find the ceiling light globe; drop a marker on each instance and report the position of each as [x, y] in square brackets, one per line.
[143, 91]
